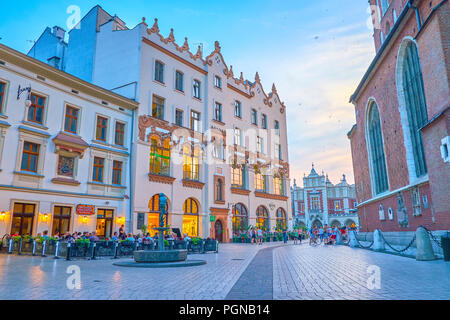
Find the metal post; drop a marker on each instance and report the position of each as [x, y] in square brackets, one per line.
[44, 246]
[34, 248]
[57, 250]
[11, 241]
[20, 247]
[68, 251]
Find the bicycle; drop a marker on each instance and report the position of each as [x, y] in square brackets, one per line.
[315, 240]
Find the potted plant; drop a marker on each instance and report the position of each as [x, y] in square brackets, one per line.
[1, 245]
[196, 244]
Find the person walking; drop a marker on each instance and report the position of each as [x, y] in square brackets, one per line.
[299, 235]
[260, 236]
[285, 236]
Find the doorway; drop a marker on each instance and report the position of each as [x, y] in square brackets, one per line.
[105, 221]
[218, 231]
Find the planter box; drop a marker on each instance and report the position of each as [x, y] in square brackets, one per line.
[105, 248]
[126, 248]
[211, 245]
[27, 247]
[78, 250]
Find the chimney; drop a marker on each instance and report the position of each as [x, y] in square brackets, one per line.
[59, 32]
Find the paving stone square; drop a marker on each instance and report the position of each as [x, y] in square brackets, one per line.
[239, 271]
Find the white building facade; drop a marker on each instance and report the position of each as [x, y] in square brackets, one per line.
[213, 143]
[64, 151]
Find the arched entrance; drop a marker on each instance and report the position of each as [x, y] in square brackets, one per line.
[281, 219]
[218, 228]
[191, 218]
[317, 224]
[336, 224]
[262, 218]
[153, 214]
[350, 223]
[240, 219]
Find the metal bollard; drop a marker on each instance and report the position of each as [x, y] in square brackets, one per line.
[10, 246]
[68, 252]
[44, 246]
[33, 253]
[57, 250]
[20, 247]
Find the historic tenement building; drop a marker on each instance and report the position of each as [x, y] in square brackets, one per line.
[64, 151]
[400, 141]
[213, 143]
[320, 202]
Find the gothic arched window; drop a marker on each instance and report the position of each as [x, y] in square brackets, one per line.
[415, 105]
[376, 151]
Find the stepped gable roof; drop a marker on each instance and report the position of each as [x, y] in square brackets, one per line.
[247, 85]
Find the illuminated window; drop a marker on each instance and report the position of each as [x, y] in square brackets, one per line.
[281, 219]
[315, 203]
[160, 157]
[260, 182]
[191, 163]
[158, 108]
[153, 215]
[23, 217]
[337, 205]
[238, 177]
[240, 219]
[262, 219]
[61, 220]
[191, 218]
[278, 185]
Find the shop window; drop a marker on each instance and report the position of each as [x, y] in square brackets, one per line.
[61, 220]
[105, 222]
[191, 218]
[23, 217]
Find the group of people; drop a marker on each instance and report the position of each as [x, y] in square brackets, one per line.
[327, 234]
[257, 236]
[117, 236]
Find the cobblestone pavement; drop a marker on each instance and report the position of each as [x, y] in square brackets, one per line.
[239, 271]
[304, 272]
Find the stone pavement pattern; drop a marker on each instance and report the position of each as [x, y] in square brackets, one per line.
[239, 271]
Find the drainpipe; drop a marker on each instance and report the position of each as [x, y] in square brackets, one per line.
[130, 178]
